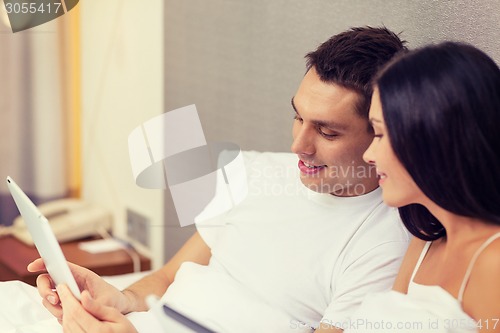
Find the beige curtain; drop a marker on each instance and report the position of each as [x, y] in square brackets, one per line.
[40, 111]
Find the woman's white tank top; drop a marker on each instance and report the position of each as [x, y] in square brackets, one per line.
[422, 309]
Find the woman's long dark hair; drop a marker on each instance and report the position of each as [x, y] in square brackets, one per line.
[441, 107]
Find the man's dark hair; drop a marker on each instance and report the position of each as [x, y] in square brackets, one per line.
[441, 107]
[352, 58]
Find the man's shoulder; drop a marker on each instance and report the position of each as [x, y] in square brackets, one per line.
[381, 227]
[386, 222]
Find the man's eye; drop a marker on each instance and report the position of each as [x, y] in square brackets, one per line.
[296, 117]
[328, 135]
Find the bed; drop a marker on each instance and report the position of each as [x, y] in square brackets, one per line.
[21, 309]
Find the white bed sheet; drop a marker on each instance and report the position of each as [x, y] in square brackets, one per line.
[21, 309]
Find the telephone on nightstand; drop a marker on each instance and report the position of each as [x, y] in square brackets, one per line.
[70, 219]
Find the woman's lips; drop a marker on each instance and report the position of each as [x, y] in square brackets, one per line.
[309, 169]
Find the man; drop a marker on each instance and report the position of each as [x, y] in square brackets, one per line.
[309, 256]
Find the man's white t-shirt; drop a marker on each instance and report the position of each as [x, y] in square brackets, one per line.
[287, 258]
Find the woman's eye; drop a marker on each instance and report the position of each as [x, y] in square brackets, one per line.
[296, 117]
[378, 136]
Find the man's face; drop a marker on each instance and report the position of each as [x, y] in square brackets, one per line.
[330, 138]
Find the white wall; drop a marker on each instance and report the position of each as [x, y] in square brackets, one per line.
[122, 83]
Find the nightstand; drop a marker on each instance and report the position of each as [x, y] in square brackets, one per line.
[15, 256]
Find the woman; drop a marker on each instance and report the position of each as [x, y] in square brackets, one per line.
[436, 116]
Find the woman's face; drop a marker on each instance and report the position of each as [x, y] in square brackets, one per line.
[398, 187]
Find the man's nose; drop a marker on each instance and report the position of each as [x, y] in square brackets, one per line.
[303, 142]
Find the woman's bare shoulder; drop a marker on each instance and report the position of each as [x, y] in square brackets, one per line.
[482, 292]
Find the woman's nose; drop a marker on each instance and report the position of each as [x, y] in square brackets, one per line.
[369, 155]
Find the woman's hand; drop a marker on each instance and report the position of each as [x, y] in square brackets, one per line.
[90, 315]
[98, 289]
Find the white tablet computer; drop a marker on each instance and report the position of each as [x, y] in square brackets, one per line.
[44, 239]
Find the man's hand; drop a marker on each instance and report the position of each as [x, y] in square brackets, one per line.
[90, 316]
[101, 291]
